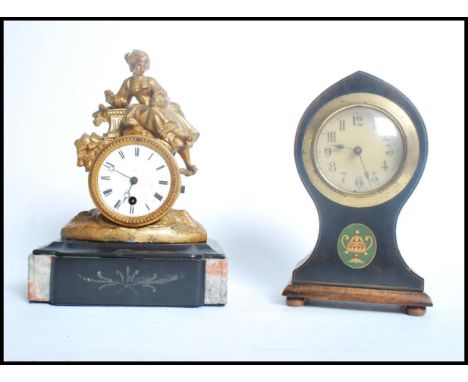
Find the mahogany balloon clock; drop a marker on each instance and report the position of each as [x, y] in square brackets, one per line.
[360, 150]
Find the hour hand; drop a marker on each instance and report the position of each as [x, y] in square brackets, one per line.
[127, 194]
[328, 149]
[340, 147]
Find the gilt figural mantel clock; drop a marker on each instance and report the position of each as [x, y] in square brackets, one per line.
[360, 150]
[133, 248]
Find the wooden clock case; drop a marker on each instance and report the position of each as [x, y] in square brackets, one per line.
[388, 279]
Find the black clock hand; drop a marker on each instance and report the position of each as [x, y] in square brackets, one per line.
[358, 151]
[340, 146]
[111, 167]
[366, 173]
[122, 174]
[133, 180]
[127, 194]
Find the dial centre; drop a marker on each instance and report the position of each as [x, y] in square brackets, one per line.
[357, 150]
[133, 180]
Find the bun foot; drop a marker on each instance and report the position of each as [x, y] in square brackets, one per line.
[416, 310]
[291, 301]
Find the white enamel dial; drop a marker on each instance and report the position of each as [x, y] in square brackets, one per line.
[359, 149]
[134, 181]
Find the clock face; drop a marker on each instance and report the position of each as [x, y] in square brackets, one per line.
[359, 149]
[134, 181]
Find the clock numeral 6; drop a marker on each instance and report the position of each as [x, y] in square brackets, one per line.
[359, 182]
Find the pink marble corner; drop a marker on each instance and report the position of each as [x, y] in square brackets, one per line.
[39, 277]
[216, 281]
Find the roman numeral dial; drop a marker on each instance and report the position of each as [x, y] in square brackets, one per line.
[134, 181]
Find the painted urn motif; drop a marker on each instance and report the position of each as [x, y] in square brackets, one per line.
[357, 245]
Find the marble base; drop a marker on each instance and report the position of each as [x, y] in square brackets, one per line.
[69, 272]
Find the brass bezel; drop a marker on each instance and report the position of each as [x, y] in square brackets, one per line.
[138, 221]
[402, 176]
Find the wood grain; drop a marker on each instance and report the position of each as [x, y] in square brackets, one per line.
[415, 302]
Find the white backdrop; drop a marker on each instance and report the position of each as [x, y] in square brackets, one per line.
[244, 86]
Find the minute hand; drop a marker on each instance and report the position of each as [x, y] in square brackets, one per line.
[122, 174]
[358, 151]
[111, 167]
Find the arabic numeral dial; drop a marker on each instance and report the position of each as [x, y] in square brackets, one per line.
[359, 150]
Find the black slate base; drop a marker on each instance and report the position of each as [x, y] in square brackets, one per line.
[72, 272]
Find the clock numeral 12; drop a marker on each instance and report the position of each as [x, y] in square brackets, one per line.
[357, 120]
